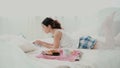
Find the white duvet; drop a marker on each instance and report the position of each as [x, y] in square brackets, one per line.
[11, 56]
[90, 59]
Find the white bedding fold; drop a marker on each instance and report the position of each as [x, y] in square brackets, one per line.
[12, 56]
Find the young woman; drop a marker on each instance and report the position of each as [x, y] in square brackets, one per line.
[61, 39]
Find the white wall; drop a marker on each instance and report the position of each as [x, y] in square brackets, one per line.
[21, 25]
[25, 17]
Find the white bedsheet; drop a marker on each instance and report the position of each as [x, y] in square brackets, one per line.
[102, 58]
[90, 59]
[11, 56]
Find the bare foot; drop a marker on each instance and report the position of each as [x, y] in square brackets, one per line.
[107, 24]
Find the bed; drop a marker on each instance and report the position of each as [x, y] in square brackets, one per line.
[13, 56]
[89, 59]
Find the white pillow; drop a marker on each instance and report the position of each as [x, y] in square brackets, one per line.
[24, 44]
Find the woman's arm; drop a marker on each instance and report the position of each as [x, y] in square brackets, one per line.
[56, 43]
[57, 38]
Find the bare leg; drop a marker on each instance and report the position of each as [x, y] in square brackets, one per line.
[107, 27]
